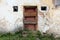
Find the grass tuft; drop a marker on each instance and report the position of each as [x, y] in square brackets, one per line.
[26, 35]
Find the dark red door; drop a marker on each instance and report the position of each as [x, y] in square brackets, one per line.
[30, 17]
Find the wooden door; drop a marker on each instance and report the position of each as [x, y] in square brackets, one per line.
[30, 17]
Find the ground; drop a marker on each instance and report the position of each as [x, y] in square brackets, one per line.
[26, 35]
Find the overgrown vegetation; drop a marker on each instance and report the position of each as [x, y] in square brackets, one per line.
[26, 35]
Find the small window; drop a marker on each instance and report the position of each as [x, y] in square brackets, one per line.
[43, 8]
[15, 8]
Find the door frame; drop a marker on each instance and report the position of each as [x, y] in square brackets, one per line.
[36, 15]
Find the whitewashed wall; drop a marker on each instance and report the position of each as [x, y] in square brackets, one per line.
[9, 20]
[12, 21]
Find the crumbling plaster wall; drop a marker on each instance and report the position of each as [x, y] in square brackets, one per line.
[54, 22]
[11, 21]
[49, 16]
